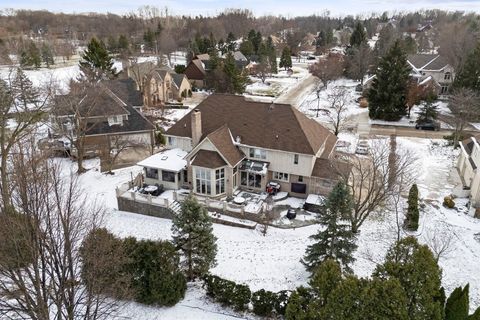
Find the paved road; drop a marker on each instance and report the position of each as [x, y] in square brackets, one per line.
[297, 93]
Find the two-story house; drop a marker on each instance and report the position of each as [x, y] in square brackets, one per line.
[103, 115]
[433, 69]
[232, 143]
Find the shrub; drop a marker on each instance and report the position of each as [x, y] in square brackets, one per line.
[263, 302]
[157, 278]
[411, 220]
[448, 202]
[281, 302]
[241, 297]
[184, 93]
[190, 93]
[227, 292]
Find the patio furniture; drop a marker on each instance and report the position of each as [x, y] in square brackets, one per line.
[273, 187]
[291, 214]
[239, 200]
[150, 189]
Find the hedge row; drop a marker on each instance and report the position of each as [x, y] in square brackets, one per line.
[239, 296]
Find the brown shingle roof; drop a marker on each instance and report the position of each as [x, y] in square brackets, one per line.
[222, 140]
[208, 159]
[330, 169]
[259, 124]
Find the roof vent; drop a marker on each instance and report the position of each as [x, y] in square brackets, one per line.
[238, 139]
[271, 106]
[164, 158]
[276, 136]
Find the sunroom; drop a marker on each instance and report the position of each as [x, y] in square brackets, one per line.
[166, 168]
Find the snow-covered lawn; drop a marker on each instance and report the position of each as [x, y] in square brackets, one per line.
[276, 84]
[273, 261]
[311, 103]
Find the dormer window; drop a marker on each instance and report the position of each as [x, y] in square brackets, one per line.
[115, 120]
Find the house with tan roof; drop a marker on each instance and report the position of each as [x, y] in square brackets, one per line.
[232, 143]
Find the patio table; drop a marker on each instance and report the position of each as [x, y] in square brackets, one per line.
[150, 189]
[239, 200]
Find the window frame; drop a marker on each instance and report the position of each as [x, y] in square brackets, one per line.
[258, 153]
[281, 176]
[296, 158]
[169, 175]
[148, 172]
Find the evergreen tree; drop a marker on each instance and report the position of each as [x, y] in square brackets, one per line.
[469, 74]
[272, 55]
[286, 58]
[409, 45]
[358, 36]
[456, 307]
[411, 220]
[344, 302]
[237, 81]
[428, 112]
[230, 42]
[387, 97]
[47, 55]
[298, 304]
[193, 236]
[123, 44]
[324, 280]
[31, 56]
[336, 241]
[415, 267]
[154, 266]
[246, 47]
[149, 39]
[384, 299]
[96, 63]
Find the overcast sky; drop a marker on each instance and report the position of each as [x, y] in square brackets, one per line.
[259, 7]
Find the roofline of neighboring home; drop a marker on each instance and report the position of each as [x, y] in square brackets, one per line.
[119, 133]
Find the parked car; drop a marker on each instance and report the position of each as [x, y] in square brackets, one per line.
[362, 147]
[428, 125]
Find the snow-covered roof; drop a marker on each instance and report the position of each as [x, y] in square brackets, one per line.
[169, 160]
[315, 199]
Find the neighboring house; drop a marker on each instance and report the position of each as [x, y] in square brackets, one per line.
[106, 116]
[181, 87]
[467, 165]
[232, 143]
[429, 71]
[157, 88]
[433, 68]
[196, 70]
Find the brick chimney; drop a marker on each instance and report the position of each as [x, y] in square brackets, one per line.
[196, 126]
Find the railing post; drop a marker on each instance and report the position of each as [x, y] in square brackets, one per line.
[224, 206]
[132, 193]
[166, 202]
[149, 198]
[175, 197]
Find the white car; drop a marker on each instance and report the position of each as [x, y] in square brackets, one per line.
[362, 147]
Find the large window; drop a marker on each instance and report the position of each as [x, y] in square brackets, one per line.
[249, 179]
[258, 153]
[280, 176]
[168, 176]
[151, 173]
[220, 181]
[203, 181]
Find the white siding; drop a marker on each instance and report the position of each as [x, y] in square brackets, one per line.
[179, 142]
[283, 161]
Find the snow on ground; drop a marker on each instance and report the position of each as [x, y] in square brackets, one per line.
[311, 103]
[273, 261]
[276, 84]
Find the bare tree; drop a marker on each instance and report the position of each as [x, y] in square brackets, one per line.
[373, 178]
[139, 72]
[22, 107]
[456, 41]
[71, 116]
[465, 106]
[328, 68]
[115, 146]
[359, 62]
[440, 241]
[41, 279]
[338, 108]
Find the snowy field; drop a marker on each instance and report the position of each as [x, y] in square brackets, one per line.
[273, 261]
[276, 84]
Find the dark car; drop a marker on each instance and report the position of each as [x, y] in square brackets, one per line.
[430, 125]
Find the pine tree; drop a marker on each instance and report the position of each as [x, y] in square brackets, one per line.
[336, 241]
[193, 236]
[456, 307]
[230, 42]
[428, 112]
[324, 280]
[123, 44]
[47, 55]
[358, 36]
[469, 74]
[415, 267]
[246, 47]
[298, 304]
[387, 97]
[411, 220]
[237, 80]
[286, 58]
[272, 55]
[96, 63]
[30, 57]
